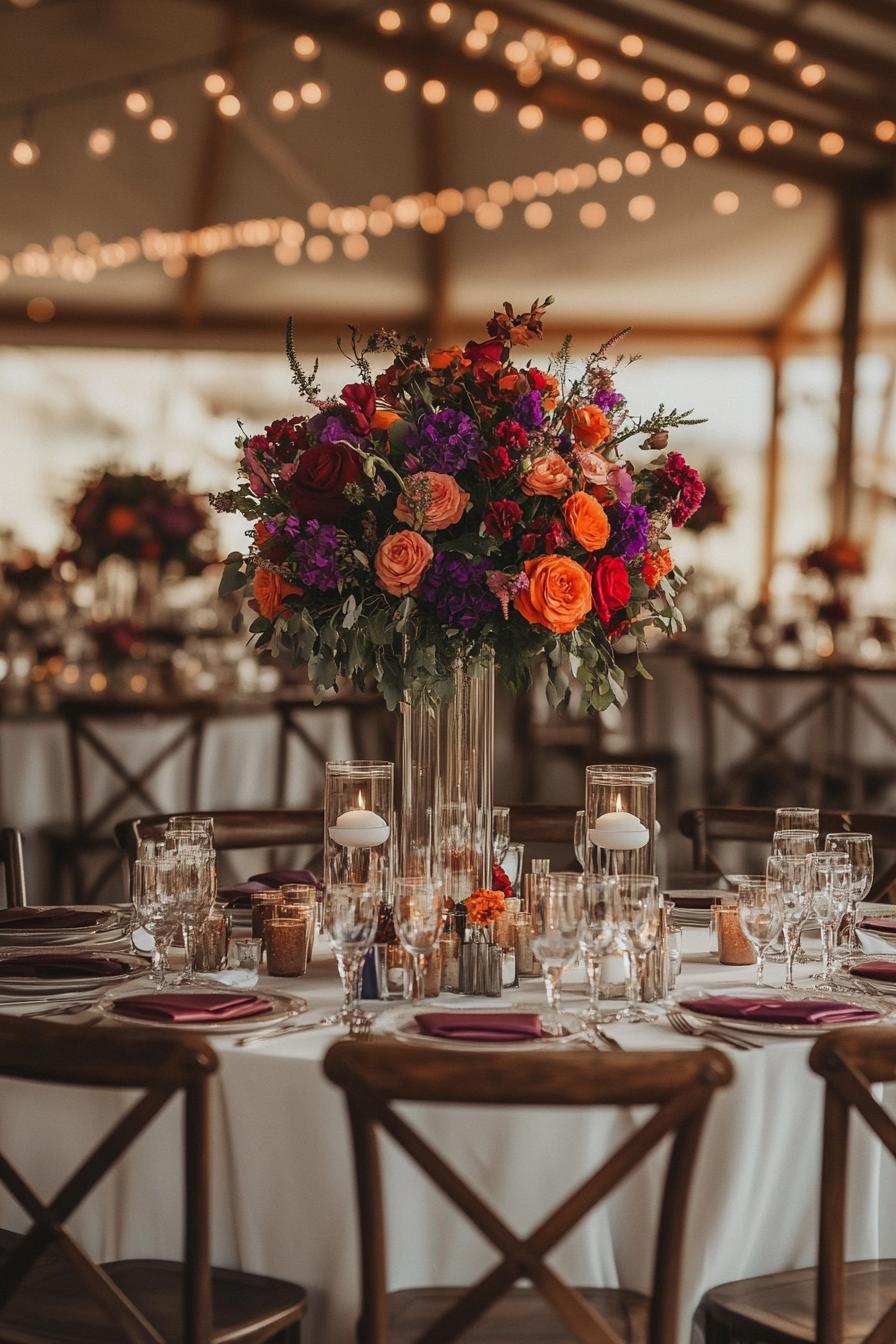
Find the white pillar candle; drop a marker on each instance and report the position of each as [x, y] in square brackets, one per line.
[619, 830]
[359, 828]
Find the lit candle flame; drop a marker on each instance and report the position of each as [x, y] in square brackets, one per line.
[619, 802]
[360, 800]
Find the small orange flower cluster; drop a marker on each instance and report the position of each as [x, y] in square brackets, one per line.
[656, 566]
[483, 906]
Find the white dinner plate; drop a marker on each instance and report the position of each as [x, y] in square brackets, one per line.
[283, 1006]
[785, 1029]
[108, 927]
[401, 1023]
[21, 986]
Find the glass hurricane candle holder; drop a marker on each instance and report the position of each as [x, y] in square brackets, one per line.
[288, 941]
[620, 820]
[358, 811]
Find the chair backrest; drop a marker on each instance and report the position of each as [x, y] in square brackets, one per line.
[12, 861]
[540, 823]
[851, 1061]
[679, 1083]
[161, 1066]
[707, 827]
[265, 829]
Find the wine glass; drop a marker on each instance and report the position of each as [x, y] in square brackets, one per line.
[639, 919]
[857, 844]
[500, 833]
[798, 844]
[350, 917]
[598, 930]
[155, 896]
[797, 819]
[831, 877]
[792, 875]
[761, 914]
[579, 839]
[556, 913]
[419, 911]
[194, 875]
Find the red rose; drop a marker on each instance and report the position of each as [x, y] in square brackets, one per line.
[500, 518]
[501, 882]
[494, 463]
[485, 357]
[286, 436]
[316, 489]
[610, 586]
[360, 398]
[512, 435]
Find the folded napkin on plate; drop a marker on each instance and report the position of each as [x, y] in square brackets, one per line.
[48, 917]
[58, 966]
[878, 924]
[192, 1007]
[280, 877]
[481, 1026]
[240, 896]
[812, 1011]
[875, 970]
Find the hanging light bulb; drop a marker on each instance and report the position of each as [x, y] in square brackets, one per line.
[217, 82]
[24, 153]
[229, 106]
[306, 47]
[163, 129]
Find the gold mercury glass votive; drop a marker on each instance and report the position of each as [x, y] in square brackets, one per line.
[287, 944]
[303, 896]
[262, 903]
[735, 948]
[210, 942]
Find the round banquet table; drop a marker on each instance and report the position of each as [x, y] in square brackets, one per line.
[283, 1198]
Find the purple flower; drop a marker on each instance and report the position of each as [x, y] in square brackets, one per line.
[328, 428]
[315, 553]
[457, 590]
[607, 399]
[445, 441]
[528, 411]
[628, 530]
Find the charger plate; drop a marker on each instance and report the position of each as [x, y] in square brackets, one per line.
[401, 1024]
[283, 1007]
[109, 926]
[25, 986]
[784, 1030]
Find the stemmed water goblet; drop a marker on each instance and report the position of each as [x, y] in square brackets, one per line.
[858, 846]
[598, 930]
[791, 873]
[831, 878]
[419, 911]
[350, 918]
[639, 918]
[556, 914]
[797, 843]
[761, 915]
[194, 875]
[155, 897]
[500, 833]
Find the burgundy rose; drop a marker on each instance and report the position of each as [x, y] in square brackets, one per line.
[360, 398]
[286, 436]
[317, 487]
[494, 463]
[530, 543]
[556, 537]
[500, 518]
[501, 882]
[511, 434]
[610, 586]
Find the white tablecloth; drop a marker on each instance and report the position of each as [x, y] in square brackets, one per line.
[284, 1200]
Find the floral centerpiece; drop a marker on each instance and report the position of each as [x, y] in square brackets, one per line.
[141, 517]
[462, 502]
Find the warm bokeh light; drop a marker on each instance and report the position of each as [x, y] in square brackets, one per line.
[706, 144]
[500, 192]
[312, 93]
[486, 21]
[594, 128]
[319, 248]
[138, 103]
[476, 41]
[538, 214]
[396, 81]
[174, 266]
[24, 153]
[451, 201]
[389, 21]
[434, 91]
[780, 131]
[40, 309]
[283, 101]
[528, 74]
[751, 138]
[566, 180]
[787, 195]
[785, 51]
[725, 202]
[406, 212]
[162, 129]
[355, 246]
[831, 142]
[486, 100]
[545, 183]
[489, 215]
[673, 155]
[592, 214]
[654, 135]
[524, 188]
[678, 100]
[885, 130]
[738, 85]
[216, 82]
[516, 52]
[637, 163]
[715, 113]
[609, 170]
[631, 45]
[440, 13]
[100, 142]
[586, 174]
[306, 47]
[379, 223]
[561, 54]
[230, 106]
[654, 89]
[812, 74]
[642, 208]
[530, 117]
[588, 68]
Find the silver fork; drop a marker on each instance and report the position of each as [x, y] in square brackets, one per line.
[601, 1035]
[680, 1023]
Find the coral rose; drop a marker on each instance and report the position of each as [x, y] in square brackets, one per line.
[269, 590]
[559, 593]
[548, 475]
[589, 426]
[443, 500]
[401, 561]
[586, 521]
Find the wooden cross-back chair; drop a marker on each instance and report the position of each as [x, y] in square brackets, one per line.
[51, 1291]
[680, 1084]
[271, 829]
[840, 1300]
[707, 827]
[12, 861]
[371, 729]
[91, 829]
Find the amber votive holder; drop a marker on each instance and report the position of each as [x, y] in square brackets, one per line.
[303, 896]
[210, 942]
[262, 904]
[735, 948]
[287, 945]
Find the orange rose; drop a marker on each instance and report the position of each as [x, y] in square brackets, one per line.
[443, 359]
[550, 391]
[656, 567]
[269, 590]
[548, 475]
[383, 419]
[559, 593]
[121, 520]
[444, 501]
[589, 425]
[401, 561]
[586, 521]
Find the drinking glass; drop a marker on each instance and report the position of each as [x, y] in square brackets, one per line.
[831, 877]
[500, 833]
[579, 839]
[556, 913]
[639, 919]
[419, 912]
[350, 916]
[155, 896]
[761, 914]
[797, 819]
[189, 832]
[189, 821]
[194, 868]
[857, 845]
[795, 844]
[598, 930]
[792, 875]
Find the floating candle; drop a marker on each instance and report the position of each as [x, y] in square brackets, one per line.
[359, 828]
[619, 830]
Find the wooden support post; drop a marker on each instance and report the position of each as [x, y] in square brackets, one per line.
[852, 247]
[772, 472]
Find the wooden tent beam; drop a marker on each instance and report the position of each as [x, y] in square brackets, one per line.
[852, 245]
[791, 315]
[772, 476]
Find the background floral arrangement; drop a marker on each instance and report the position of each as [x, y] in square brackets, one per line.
[141, 517]
[456, 503]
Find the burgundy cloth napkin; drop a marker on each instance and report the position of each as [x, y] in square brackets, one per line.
[495, 1027]
[875, 970]
[192, 1007]
[58, 966]
[878, 924]
[48, 917]
[279, 877]
[812, 1011]
[240, 897]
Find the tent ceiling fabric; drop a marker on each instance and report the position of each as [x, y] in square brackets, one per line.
[687, 268]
